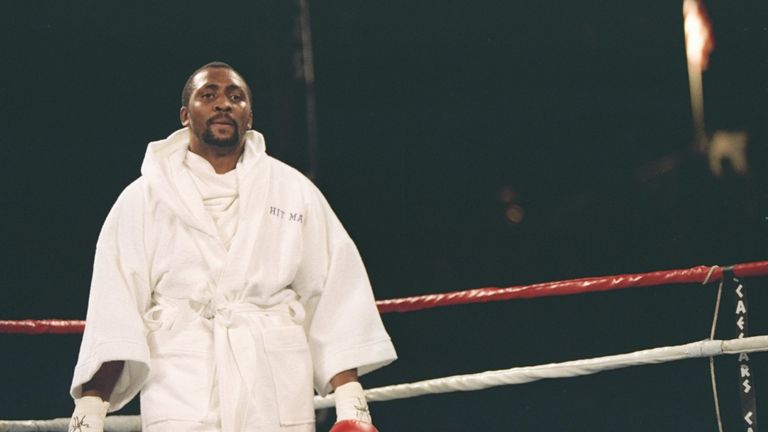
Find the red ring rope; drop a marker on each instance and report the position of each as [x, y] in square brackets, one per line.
[478, 295]
[49, 326]
[573, 286]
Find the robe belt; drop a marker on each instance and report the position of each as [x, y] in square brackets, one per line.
[236, 348]
[239, 357]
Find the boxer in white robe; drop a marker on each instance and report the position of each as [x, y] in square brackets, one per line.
[224, 293]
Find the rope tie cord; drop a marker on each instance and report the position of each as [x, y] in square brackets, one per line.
[712, 374]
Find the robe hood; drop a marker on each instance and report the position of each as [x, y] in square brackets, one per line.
[163, 168]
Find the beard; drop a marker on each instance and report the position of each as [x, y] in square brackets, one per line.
[226, 142]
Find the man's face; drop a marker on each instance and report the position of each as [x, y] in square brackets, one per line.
[219, 111]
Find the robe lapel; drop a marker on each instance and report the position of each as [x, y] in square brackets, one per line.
[190, 197]
[254, 187]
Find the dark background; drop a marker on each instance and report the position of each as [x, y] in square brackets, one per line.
[433, 118]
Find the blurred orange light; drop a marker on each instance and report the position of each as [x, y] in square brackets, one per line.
[514, 214]
[698, 34]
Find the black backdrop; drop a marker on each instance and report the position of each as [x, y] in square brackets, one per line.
[428, 112]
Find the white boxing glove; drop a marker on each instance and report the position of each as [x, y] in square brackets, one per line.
[89, 415]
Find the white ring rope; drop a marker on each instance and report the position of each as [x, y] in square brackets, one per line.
[483, 380]
[521, 375]
[113, 424]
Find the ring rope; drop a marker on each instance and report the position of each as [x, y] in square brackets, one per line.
[46, 326]
[479, 381]
[521, 375]
[112, 424]
[699, 274]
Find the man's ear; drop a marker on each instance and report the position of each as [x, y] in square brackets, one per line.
[250, 120]
[184, 116]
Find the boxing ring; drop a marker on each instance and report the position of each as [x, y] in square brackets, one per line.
[732, 279]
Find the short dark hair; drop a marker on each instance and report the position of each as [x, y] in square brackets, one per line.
[186, 92]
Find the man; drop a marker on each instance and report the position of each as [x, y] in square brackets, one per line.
[224, 287]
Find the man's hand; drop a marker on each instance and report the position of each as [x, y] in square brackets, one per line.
[89, 415]
[352, 413]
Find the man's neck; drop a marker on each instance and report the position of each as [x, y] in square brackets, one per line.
[222, 160]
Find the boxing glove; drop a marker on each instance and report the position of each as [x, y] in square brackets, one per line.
[353, 426]
[89, 415]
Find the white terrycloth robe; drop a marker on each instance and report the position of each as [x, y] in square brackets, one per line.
[227, 339]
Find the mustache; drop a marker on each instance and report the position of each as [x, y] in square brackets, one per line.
[220, 117]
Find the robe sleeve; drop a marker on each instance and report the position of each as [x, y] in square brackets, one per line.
[114, 328]
[344, 328]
